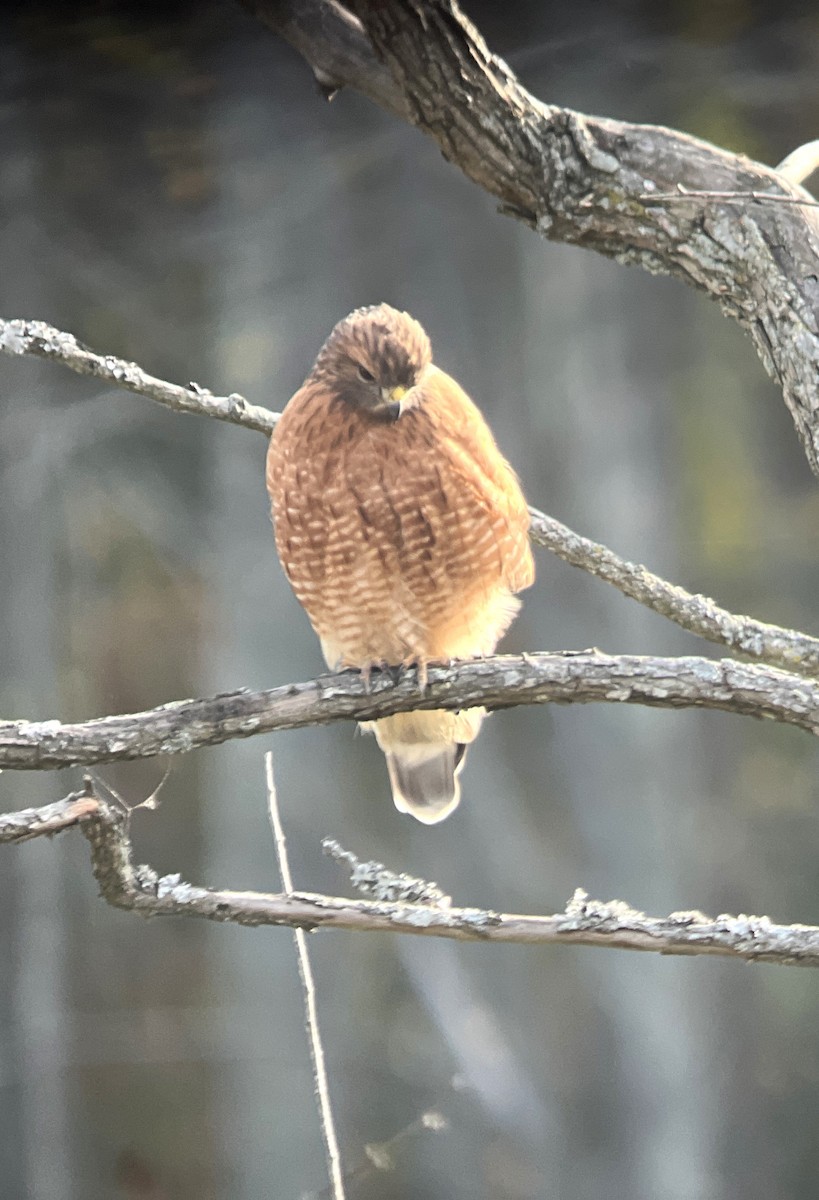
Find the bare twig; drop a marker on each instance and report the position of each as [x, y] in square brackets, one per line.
[43, 341]
[584, 922]
[504, 681]
[800, 164]
[326, 1119]
[380, 1156]
[789, 649]
[48, 820]
[684, 193]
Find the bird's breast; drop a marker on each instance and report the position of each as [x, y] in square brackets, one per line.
[382, 533]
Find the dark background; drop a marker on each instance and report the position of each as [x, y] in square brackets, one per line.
[174, 190]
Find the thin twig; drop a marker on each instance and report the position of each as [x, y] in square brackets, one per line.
[686, 194]
[789, 649]
[380, 1156]
[328, 1127]
[40, 340]
[49, 819]
[800, 164]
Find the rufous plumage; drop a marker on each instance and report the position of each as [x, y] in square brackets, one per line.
[402, 530]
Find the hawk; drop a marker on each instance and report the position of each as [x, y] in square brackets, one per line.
[402, 530]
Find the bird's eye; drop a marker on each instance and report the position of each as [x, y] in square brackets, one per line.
[366, 375]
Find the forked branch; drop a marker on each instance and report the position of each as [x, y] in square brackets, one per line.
[584, 922]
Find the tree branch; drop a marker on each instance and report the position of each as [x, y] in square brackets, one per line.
[584, 922]
[567, 677]
[583, 179]
[335, 46]
[39, 340]
[789, 649]
[801, 163]
[48, 820]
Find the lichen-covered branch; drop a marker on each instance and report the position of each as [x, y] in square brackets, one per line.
[39, 340]
[583, 179]
[789, 649]
[48, 820]
[584, 922]
[504, 681]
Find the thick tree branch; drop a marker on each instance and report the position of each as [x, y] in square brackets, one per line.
[584, 179]
[789, 649]
[499, 682]
[584, 922]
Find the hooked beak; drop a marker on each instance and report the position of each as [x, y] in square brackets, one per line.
[393, 395]
[392, 399]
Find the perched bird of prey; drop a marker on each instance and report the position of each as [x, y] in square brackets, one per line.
[402, 530]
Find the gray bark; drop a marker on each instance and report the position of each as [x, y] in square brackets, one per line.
[503, 681]
[587, 922]
[590, 181]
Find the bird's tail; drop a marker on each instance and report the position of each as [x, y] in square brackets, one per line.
[424, 780]
[425, 754]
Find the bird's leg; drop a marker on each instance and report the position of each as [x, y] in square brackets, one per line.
[376, 665]
[420, 665]
[366, 673]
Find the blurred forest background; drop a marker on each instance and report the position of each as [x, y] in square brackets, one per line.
[174, 190]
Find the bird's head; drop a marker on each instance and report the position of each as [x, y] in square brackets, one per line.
[373, 359]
